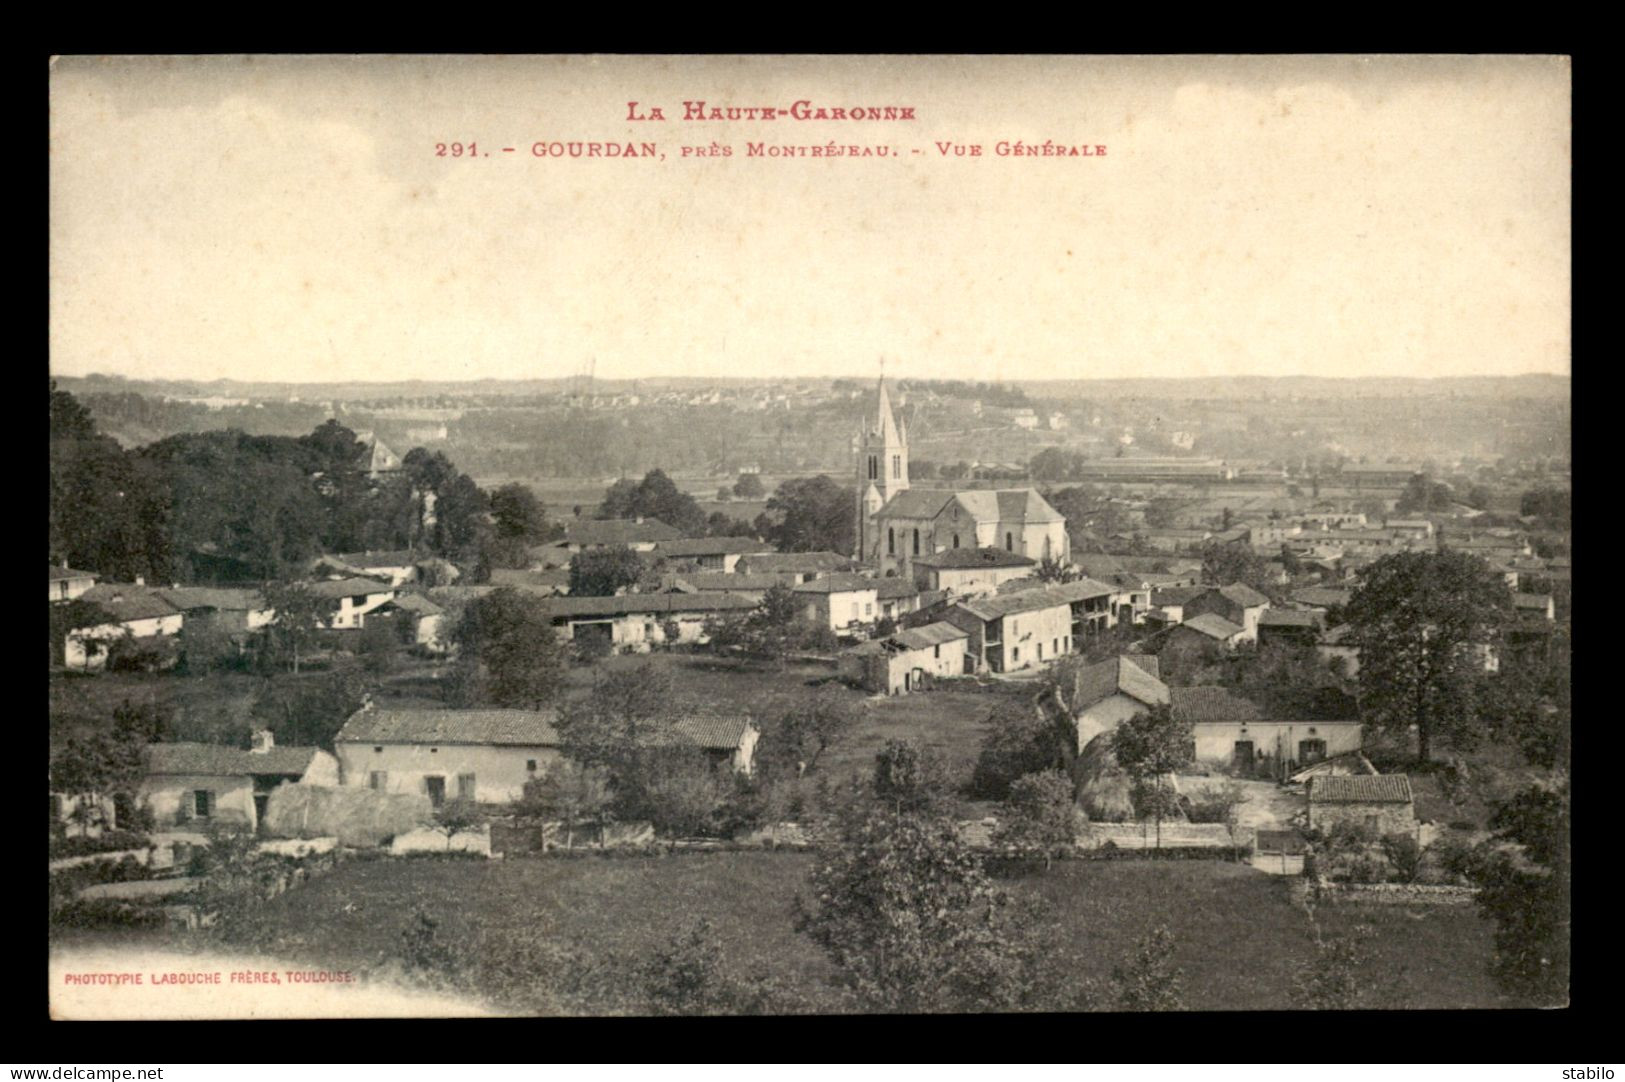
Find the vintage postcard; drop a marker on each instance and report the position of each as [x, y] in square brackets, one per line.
[630, 535]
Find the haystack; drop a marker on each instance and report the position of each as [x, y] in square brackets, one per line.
[1105, 790]
[358, 817]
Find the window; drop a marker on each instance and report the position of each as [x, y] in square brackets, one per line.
[377, 748]
[1040, 651]
[1015, 653]
[1010, 542]
[868, 608]
[956, 540]
[916, 542]
[854, 611]
[1371, 825]
[530, 765]
[874, 471]
[203, 803]
[1311, 750]
[435, 786]
[891, 541]
[896, 467]
[465, 787]
[936, 651]
[378, 779]
[1055, 646]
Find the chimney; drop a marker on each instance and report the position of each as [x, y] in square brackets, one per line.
[64, 563]
[638, 519]
[140, 580]
[261, 742]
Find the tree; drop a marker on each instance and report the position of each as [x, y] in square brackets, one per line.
[1051, 571]
[1021, 739]
[298, 616]
[812, 514]
[749, 487]
[904, 909]
[1149, 746]
[604, 572]
[1146, 980]
[1332, 977]
[1423, 494]
[572, 792]
[910, 778]
[311, 711]
[1040, 815]
[656, 496]
[1523, 876]
[98, 766]
[509, 635]
[518, 514]
[1224, 564]
[1420, 620]
[801, 727]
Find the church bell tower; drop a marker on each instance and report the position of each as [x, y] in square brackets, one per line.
[882, 472]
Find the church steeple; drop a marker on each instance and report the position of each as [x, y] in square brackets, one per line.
[882, 469]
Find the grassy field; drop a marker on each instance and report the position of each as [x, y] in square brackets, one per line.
[1239, 940]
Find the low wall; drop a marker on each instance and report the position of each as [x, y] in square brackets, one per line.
[1397, 893]
[432, 840]
[1174, 835]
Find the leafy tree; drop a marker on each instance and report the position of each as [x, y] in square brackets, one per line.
[108, 764]
[1419, 618]
[1146, 979]
[1553, 505]
[811, 514]
[656, 496]
[904, 909]
[1333, 978]
[675, 788]
[801, 727]
[1040, 815]
[518, 514]
[1423, 494]
[572, 793]
[749, 487]
[1052, 571]
[910, 778]
[311, 711]
[724, 494]
[293, 629]
[1523, 876]
[1224, 564]
[604, 572]
[1404, 854]
[510, 636]
[1021, 739]
[1149, 746]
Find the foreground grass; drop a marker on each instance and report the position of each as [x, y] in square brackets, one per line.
[1239, 940]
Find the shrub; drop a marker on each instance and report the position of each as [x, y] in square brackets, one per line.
[1404, 854]
[110, 841]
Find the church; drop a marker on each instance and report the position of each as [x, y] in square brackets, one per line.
[897, 523]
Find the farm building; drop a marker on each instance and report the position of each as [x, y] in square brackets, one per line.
[841, 602]
[907, 660]
[1377, 803]
[198, 784]
[67, 584]
[709, 553]
[136, 614]
[969, 571]
[633, 623]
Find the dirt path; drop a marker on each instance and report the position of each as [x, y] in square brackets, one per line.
[100, 982]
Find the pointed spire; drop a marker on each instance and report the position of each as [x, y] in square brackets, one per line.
[886, 425]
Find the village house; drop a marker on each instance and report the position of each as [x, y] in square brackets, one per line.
[423, 620]
[1235, 733]
[137, 614]
[1199, 634]
[379, 459]
[1323, 598]
[634, 623]
[1168, 603]
[1014, 631]
[1378, 476]
[198, 784]
[1108, 693]
[844, 603]
[1290, 627]
[637, 534]
[896, 597]
[552, 582]
[67, 584]
[751, 587]
[1540, 606]
[796, 567]
[709, 553]
[1379, 804]
[897, 524]
[487, 756]
[347, 601]
[1238, 603]
[1176, 540]
[968, 571]
[232, 611]
[907, 660]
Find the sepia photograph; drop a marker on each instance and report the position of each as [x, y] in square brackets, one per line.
[655, 535]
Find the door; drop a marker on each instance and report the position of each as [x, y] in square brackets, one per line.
[1243, 757]
[436, 787]
[261, 802]
[1310, 751]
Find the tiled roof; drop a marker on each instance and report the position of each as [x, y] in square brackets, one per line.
[795, 562]
[1195, 704]
[718, 732]
[1531, 601]
[917, 503]
[1242, 594]
[126, 602]
[934, 634]
[1360, 789]
[1213, 625]
[1291, 618]
[720, 582]
[1324, 597]
[375, 725]
[59, 573]
[710, 546]
[1047, 597]
[835, 584]
[188, 598]
[552, 579]
[333, 589]
[1101, 681]
[627, 604]
[1025, 505]
[217, 759]
[893, 588]
[417, 603]
[1176, 595]
[397, 558]
[617, 531]
[959, 559]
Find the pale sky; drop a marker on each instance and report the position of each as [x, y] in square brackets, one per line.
[286, 218]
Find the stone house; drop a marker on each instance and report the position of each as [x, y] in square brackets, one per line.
[721, 554]
[907, 660]
[634, 623]
[198, 784]
[136, 613]
[1377, 803]
[1238, 603]
[969, 571]
[844, 603]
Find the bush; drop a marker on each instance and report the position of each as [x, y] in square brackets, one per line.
[110, 841]
[142, 655]
[1404, 855]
